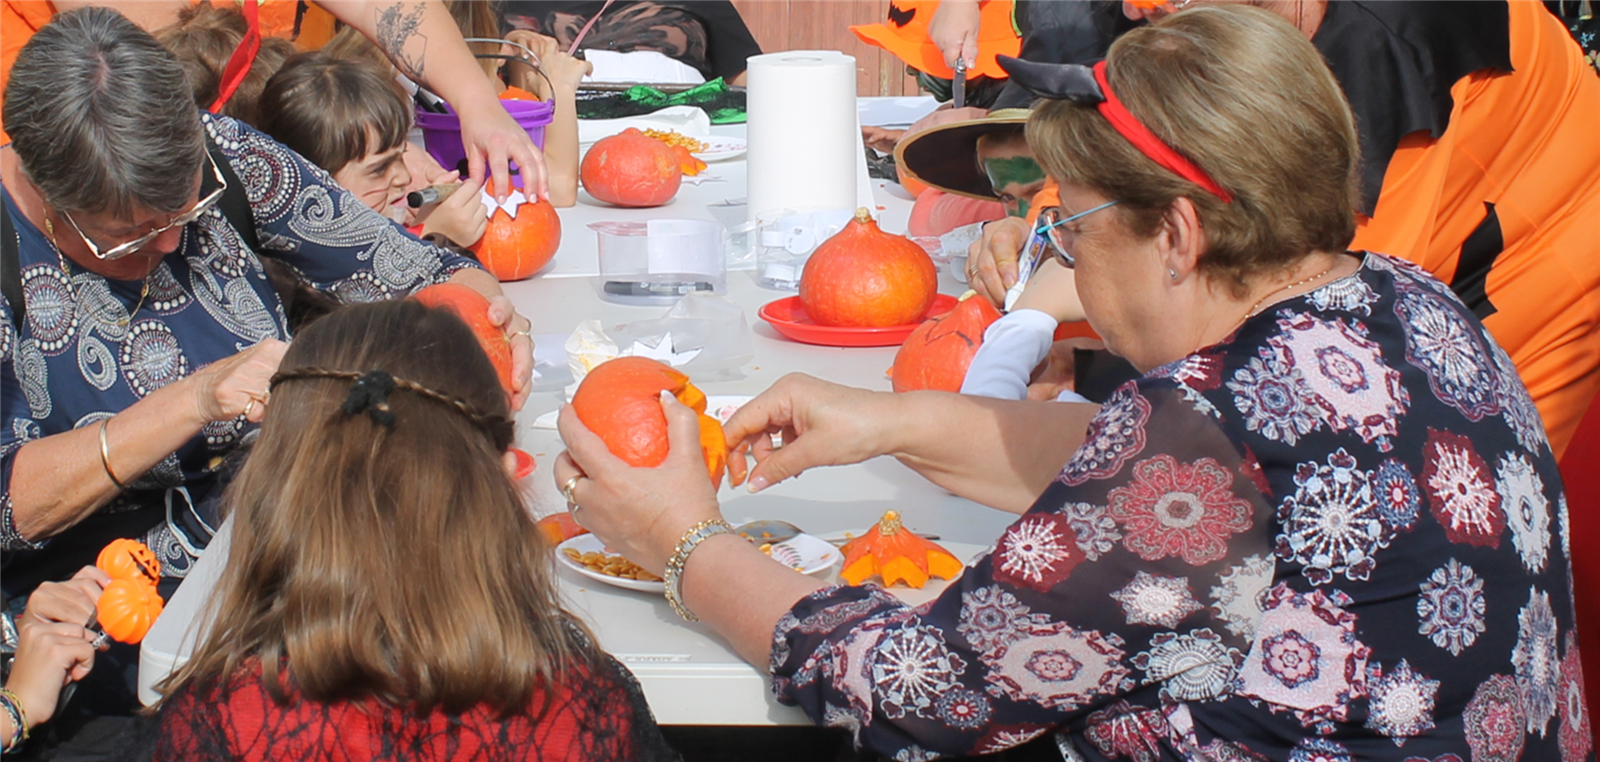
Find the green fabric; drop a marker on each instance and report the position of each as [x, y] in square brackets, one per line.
[721, 103]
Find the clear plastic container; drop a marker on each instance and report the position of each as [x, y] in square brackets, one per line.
[659, 261]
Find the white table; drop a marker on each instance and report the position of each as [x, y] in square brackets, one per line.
[689, 675]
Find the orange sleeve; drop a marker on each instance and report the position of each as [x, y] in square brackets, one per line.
[19, 19]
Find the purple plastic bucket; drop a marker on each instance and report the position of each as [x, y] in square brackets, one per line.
[441, 133]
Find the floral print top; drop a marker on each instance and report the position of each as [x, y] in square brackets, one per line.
[1338, 535]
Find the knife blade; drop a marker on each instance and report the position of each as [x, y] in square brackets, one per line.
[958, 85]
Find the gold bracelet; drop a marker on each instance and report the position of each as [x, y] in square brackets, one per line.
[673, 576]
[105, 455]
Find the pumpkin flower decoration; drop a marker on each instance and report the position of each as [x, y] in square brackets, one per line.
[896, 554]
[130, 604]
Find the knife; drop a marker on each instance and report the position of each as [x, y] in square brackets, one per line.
[958, 85]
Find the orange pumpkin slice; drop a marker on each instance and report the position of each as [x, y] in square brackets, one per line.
[896, 554]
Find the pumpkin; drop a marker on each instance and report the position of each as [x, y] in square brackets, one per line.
[518, 94]
[936, 355]
[863, 277]
[620, 400]
[688, 162]
[894, 553]
[131, 560]
[560, 527]
[473, 308]
[631, 169]
[513, 248]
[127, 608]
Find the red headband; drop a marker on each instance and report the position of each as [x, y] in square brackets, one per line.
[243, 57]
[1148, 144]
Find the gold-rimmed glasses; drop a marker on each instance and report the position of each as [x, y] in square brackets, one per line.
[124, 249]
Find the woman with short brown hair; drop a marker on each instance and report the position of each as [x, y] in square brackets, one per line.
[1324, 525]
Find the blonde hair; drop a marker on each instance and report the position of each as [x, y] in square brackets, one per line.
[393, 562]
[1245, 96]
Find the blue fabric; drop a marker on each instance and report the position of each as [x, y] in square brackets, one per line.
[1339, 534]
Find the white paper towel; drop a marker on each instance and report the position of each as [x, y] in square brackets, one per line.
[804, 133]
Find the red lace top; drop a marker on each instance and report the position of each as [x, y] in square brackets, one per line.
[604, 719]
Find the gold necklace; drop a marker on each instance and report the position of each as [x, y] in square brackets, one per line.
[50, 230]
[1252, 311]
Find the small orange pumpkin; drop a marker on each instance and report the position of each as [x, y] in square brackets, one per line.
[631, 169]
[513, 248]
[127, 608]
[620, 400]
[518, 94]
[131, 560]
[560, 527]
[895, 554]
[937, 354]
[473, 307]
[863, 277]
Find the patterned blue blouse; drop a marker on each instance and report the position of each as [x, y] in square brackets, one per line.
[78, 358]
[1338, 535]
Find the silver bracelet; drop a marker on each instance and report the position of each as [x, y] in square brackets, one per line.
[673, 577]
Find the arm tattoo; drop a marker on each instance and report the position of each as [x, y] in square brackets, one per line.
[395, 32]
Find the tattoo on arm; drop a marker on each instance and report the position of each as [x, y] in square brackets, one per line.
[396, 32]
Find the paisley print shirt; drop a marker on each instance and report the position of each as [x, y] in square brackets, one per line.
[1337, 535]
[78, 357]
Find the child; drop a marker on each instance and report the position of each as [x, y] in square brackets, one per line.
[386, 593]
[203, 39]
[349, 119]
[53, 647]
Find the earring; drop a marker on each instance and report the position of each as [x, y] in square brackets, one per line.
[1173, 273]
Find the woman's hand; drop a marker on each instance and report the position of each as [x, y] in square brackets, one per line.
[461, 217]
[491, 138]
[237, 385]
[640, 512]
[881, 139]
[1053, 290]
[954, 29]
[54, 647]
[503, 314]
[992, 260]
[821, 424]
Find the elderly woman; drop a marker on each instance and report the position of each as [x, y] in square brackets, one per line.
[1325, 524]
[138, 328]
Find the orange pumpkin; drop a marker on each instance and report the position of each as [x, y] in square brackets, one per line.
[473, 307]
[866, 278]
[631, 169]
[131, 560]
[895, 554]
[518, 94]
[620, 400]
[513, 248]
[688, 162]
[127, 608]
[559, 527]
[936, 355]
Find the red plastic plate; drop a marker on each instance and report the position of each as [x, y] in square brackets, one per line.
[525, 463]
[788, 317]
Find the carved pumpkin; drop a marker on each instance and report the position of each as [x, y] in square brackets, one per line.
[560, 527]
[863, 277]
[631, 169]
[473, 307]
[620, 400]
[127, 608]
[131, 560]
[895, 554]
[688, 162]
[937, 354]
[513, 248]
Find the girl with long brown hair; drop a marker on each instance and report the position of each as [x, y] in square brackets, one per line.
[386, 593]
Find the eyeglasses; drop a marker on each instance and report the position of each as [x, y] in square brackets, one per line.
[1051, 228]
[122, 250]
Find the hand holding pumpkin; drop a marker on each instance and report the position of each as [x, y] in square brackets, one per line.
[71, 602]
[504, 316]
[461, 217]
[49, 656]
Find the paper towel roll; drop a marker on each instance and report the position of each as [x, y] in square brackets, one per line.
[805, 143]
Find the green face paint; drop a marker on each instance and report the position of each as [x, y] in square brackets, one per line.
[1015, 180]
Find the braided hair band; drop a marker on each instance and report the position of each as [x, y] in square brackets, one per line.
[369, 393]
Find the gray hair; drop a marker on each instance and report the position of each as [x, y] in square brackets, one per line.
[102, 117]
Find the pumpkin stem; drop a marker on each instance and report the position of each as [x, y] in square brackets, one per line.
[889, 524]
[863, 215]
[970, 293]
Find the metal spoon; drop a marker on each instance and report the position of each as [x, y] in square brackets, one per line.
[777, 530]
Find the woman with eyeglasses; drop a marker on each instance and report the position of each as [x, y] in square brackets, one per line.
[1324, 525]
[138, 328]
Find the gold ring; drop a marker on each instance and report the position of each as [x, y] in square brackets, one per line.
[249, 406]
[566, 491]
[515, 334]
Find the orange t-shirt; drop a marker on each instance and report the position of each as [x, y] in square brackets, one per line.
[19, 19]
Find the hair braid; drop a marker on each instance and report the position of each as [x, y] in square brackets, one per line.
[499, 428]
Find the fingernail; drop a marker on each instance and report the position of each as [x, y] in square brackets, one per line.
[667, 396]
[757, 483]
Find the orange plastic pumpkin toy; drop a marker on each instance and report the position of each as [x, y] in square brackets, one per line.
[513, 248]
[631, 169]
[863, 277]
[559, 527]
[936, 355]
[130, 560]
[127, 608]
[620, 400]
[473, 308]
[892, 552]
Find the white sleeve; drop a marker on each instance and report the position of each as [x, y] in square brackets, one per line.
[1012, 347]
